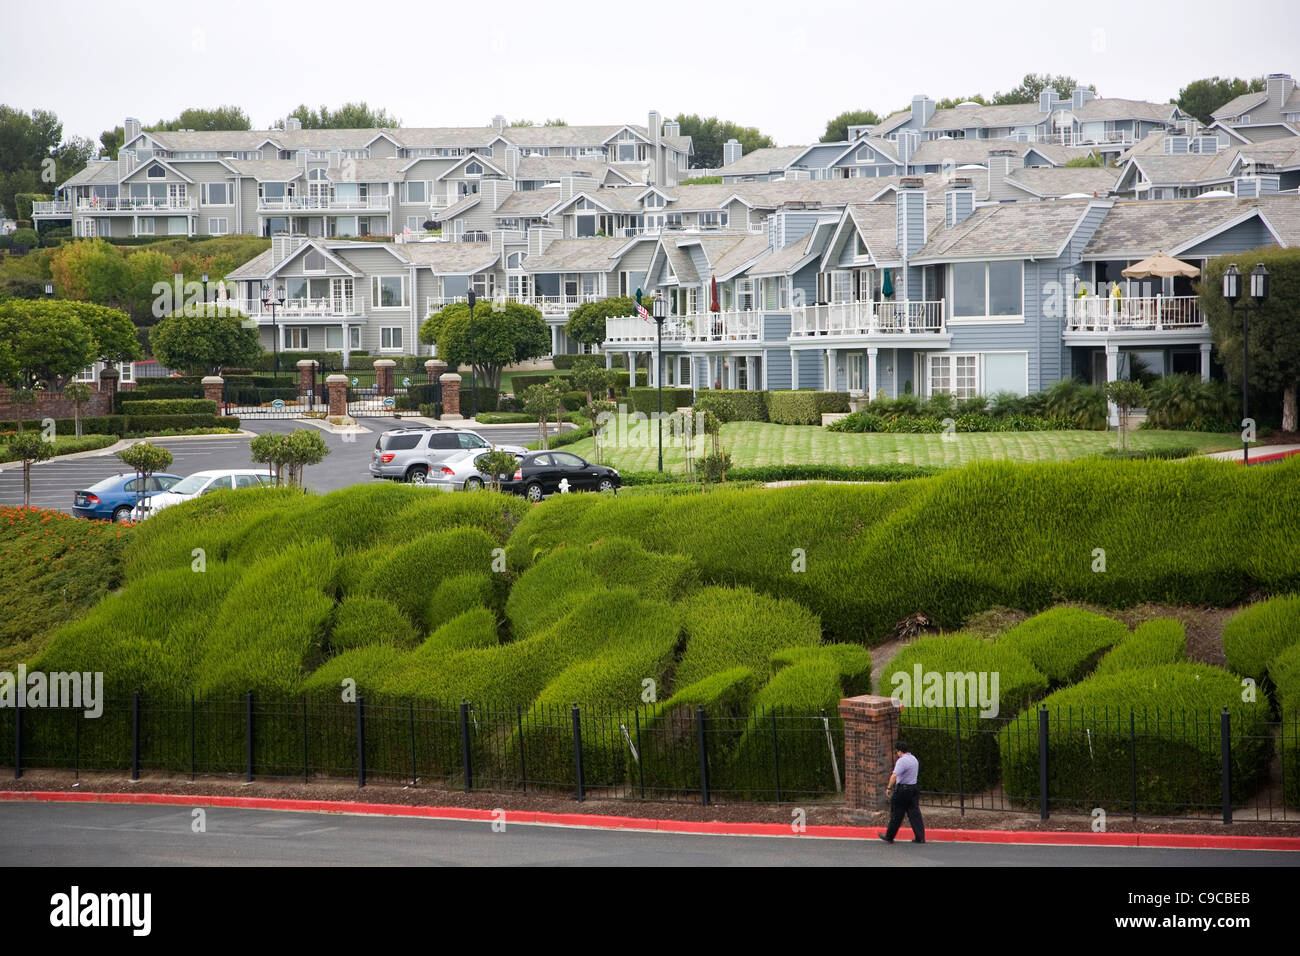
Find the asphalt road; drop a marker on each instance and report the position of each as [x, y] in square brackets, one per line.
[37, 834]
[54, 481]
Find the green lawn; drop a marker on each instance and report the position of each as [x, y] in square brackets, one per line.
[761, 443]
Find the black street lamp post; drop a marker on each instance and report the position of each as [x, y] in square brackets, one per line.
[205, 293]
[1258, 295]
[473, 385]
[271, 303]
[659, 316]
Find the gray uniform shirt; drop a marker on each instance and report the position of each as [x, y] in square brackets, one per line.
[906, 768]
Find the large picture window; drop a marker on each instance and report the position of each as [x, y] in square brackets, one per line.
[388, 292]
[981, 289]
[956, 375]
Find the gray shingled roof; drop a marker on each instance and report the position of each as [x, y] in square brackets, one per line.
[1133, 230]
[528, 202]
[762, 161]
[95, 173]
[1037, 229]
[1052, 181]
[1240, 104]
[577, 255]
[255, 268]
[266, 170]
[456, 208]
[964, 151]
[450, 258]
[556, 167]
[1116, 108]
[726, 254]
[965, 117]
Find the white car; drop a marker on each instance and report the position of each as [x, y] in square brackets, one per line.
[203, 483]
[460, 471]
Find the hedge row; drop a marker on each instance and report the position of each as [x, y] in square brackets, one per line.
[1065, 643]
[1152, 643]
[737, 627]
[733, 405]
[130, 424]
[804, 407]
[169, 406]
[646, 400]
[867, 421]
[362, 620]
[1254, 637]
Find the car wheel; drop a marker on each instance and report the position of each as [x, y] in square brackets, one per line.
[605, 484]
[534, 492]
[417, 475]
[473, 484]
[122, 514]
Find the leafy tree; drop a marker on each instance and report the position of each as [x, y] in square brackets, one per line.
[1124, 395]
[205, 343]
[952, 102]
[91, 271]
[504, 334]
[702, 181]
[1092, 160]
[146, 460]
[348, 116]
[589, 376]
[288, 454]
[555, 122]
[837, 129]
[1274, 329]
[28, 447]
[78, 393]
[1200, 98]
[540, 401]
[112, 140]
[50, 343]
[199, 118]
[26, 141]
[586, 323]
[709, 133]
[1034, 83]
[71, 157]
[496, 464]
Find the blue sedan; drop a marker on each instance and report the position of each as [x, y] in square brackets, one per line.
[113, 498]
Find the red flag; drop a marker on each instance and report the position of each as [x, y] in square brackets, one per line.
[713, 306]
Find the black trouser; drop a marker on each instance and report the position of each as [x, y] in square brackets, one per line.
[906, 799]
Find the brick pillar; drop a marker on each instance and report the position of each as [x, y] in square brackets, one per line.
[108, 380]
[450, 396]
[338, 389]
[433, 369]
[384, 376]
[870, 731]
[307, 380]
[213, 386]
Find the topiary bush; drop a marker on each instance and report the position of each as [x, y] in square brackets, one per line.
[1174, 739]
[405, 574]
[804, 407]
[1256, 635]
[646, 400]
[733, 405]
[853, 661]
[360, 621]
[1064, 643]
[737, 627]
[1152, 644]
[455, 595]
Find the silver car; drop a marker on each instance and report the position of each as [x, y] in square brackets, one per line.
[459, 472]
[417, 454]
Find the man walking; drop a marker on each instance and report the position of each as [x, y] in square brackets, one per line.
[904, 796]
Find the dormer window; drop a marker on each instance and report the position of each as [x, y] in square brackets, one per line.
[313, 260]
[156, 172]
[473, 169]
[654, 201]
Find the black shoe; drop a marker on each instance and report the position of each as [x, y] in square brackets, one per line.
[885, 838]
[918, 841]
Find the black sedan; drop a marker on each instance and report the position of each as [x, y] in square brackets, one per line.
[546, 472]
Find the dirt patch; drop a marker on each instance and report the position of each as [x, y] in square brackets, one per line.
[1204, 627]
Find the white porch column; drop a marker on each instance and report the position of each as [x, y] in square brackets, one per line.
[631, 370]
[898, 373]
[1205, 361]
[764, 368]
[555, 339]
[872, 355]
[830, 370]
[794, 368]
[1112, 373]
[609, 360]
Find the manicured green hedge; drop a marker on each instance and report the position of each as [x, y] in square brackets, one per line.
[931, 724]
[1141, 454]
[129, 425]
[1152, 644]
[471, 630]
[1065, 643]
[765, 473]
[368, 665]
[804, 407]
[853, 661]
[405, 574]
[646, 400]
[520, 383]
[360, 620]
[733, 405]
[455, 595]
[1259, 633]
[622, 379]
[169, 406]
[869, 420]
[1175, 739]
[737, 627]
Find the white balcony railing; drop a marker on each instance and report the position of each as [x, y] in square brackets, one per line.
[137, 205]
[298, 308]
[1098, 313]
[317, 204]
[58, 208]
[549, 304]
[697, 328]
[845, 319]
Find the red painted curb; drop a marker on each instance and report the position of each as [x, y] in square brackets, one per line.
[714, 827]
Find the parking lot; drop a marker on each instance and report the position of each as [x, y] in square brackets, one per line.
[54, 481]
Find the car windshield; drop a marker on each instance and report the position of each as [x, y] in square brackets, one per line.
[191, 485]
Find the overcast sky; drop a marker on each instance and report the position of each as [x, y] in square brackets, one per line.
[785, 67]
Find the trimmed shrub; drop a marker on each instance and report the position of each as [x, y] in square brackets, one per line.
[899, 472]
[1152, 643]
[169, 406]
[1175, 740]
[1171, 453]
[472, 630]
[1259, 633]
[733, 405]
[853, 660]
[622, 379]
[455, 595]
[520, 383]
[737, 627]
[646, 400]
[556, 583]
[1064, 643]
[405, 574]
[362, 621]
[573, 401]
[958, 745]
[369, 666]
[804, 407]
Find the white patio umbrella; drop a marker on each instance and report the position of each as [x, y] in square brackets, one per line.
[1161, 266]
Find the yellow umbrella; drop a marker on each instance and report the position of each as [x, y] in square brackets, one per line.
[1161, 266]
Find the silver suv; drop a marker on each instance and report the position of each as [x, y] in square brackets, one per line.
[410, 454]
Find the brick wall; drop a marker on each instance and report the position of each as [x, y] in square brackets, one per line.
[870, 732]
[50, 404]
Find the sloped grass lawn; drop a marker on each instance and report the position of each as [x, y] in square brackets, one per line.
[64, 444]
[762, 443]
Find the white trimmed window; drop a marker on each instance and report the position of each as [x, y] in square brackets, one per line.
[217, 194]
[354, 337]
[295, 337]
[334, 338]
[144, 227]
[855, 372]
[841, 286]
[388, 292]
[128, 372]
[415, 192]
[956, 375]
[218, 226]
[981, 289]
[390, 338]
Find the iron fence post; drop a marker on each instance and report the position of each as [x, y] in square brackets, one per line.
[776, 757]
[361, 741]
[961, 792]
[411, 708]
[18, 741]
[306, 759]
[640, 764]
[135, 735]
[1042, 763]
[76, 745]
[1133, 761]
[248, 736]
[193, 741]
[577, 753]
[1225, 746]
[704, 756]
[523, 762]
[464, 745]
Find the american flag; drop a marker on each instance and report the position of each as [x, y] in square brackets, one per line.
[641, 311]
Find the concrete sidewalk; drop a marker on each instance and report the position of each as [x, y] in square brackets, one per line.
[1260, 453]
